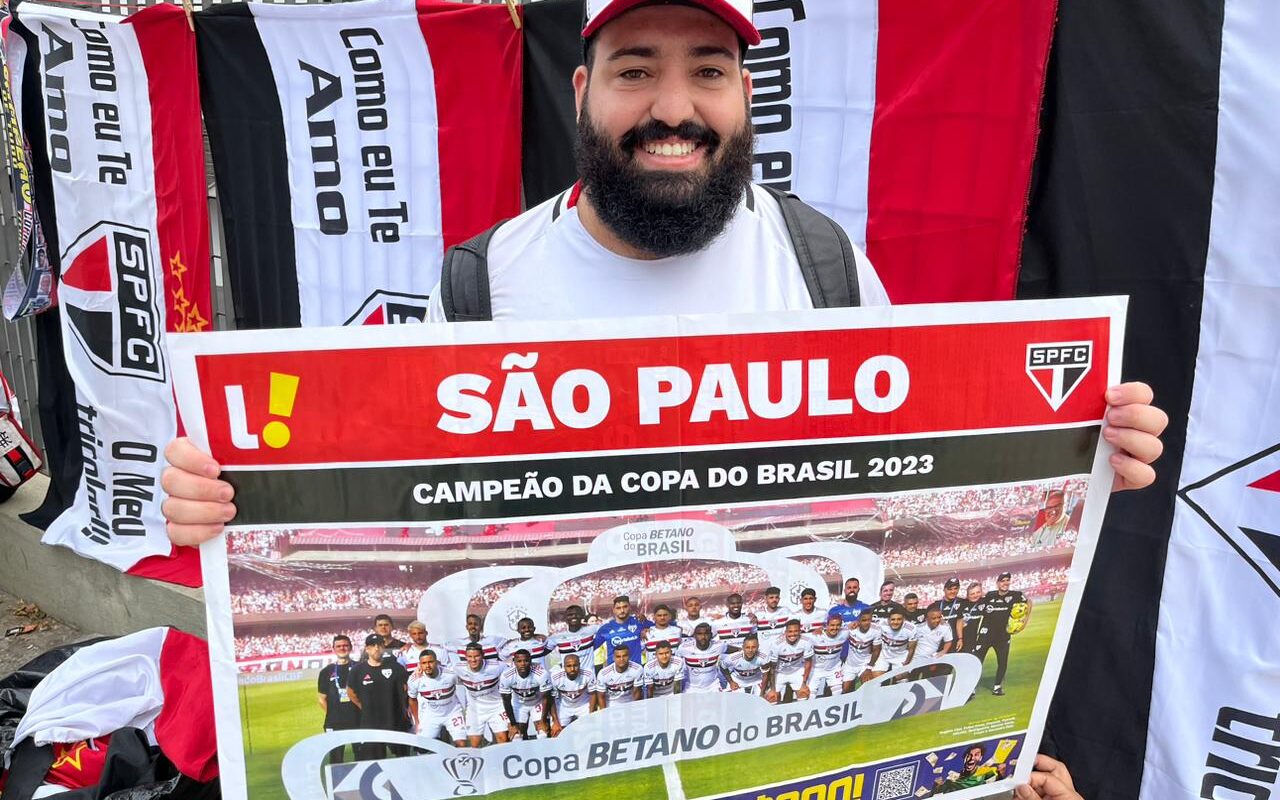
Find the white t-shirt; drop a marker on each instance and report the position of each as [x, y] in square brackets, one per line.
[619, 685]
[812, 622]
[770, 625]
[572, 694]
[790, 657]
[930, 640]
[544, 265]
[828, 653]
[574, 643]
[660, 680]
[746, 674]
[860, 644]
[894, 643]
[526, 689]
[703, 666]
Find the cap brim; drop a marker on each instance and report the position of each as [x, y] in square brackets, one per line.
[720, 8]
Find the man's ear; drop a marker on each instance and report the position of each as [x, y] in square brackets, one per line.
[580, 76]
[746, 83]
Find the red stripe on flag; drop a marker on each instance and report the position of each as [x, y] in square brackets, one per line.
[958, 91]
[168, 50]
[476, 55]
[184, 729]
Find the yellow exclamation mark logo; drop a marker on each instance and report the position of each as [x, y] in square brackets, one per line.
[284, 389]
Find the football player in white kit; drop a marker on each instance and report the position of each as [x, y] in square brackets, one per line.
[792, 658]
[619, 682]
[489, 645]
[933, 638]
[661, 631]
[692, 616]
[863, 638]
[702, 658]
[771, 622]
[897, 645]
[734, 626]
[572, 692]
[528, 640]
[411, 653]
[663, 673]
[812, 619]
[439, 709]
[526, 695]
[577, 640]
[745, 670]
[483, 697]
[828, 658]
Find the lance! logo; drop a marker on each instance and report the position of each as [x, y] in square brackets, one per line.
[276, 433]
[390, 308]
[1242, 503]
[113, 300]
[1057, 368]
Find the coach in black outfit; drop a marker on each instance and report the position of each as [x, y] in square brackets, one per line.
[379, 688]
[993, 629]
[340, 714]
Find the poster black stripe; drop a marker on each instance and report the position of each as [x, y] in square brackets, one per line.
[357, 495]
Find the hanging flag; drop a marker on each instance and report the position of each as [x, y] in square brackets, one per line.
[913, 125]
[30, 286]
[352, 143]
[131, 234]
[1159, 177]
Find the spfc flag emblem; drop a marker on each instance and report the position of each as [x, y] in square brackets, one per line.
[390, 308]
[1058, 368]
[1242, 503]
[111, 294]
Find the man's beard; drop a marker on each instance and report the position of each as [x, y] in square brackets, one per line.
[663, 213]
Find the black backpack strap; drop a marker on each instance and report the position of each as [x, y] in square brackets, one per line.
[464, 280]
[824, 251]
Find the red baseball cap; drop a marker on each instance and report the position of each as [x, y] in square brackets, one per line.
[737, 13]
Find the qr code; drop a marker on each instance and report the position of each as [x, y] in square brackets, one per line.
[897, 782]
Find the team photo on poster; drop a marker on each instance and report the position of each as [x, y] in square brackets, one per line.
[635, 571]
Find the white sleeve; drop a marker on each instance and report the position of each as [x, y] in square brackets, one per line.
[435, 306]
[871, 291]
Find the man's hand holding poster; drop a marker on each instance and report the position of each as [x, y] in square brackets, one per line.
[833, 555]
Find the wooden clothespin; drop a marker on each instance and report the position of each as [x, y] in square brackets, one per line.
[191, 20]
[513, 7]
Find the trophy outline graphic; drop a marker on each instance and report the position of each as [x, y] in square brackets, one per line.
[464, 769]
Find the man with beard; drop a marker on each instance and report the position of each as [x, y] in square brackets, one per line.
[620, 682]
[851, 608]
[340, 714]
[745, 670]
[411, 653]
[438, 712]
[578, 640]
[973, 773]
[664, 220]
[952, 608]
[771, 622]
[734, 626]
[864, 637]
[573, 694]
[623, 631]
[702, 658]
[792, 657]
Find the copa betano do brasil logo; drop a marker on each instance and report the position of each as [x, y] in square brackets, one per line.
[1242, 503]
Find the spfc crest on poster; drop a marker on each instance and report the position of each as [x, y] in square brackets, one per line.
[390, 308]
[1242, 503]
[1057, 368]
[111, 295]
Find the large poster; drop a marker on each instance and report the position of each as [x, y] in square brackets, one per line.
[132, 244]
[831, 555]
